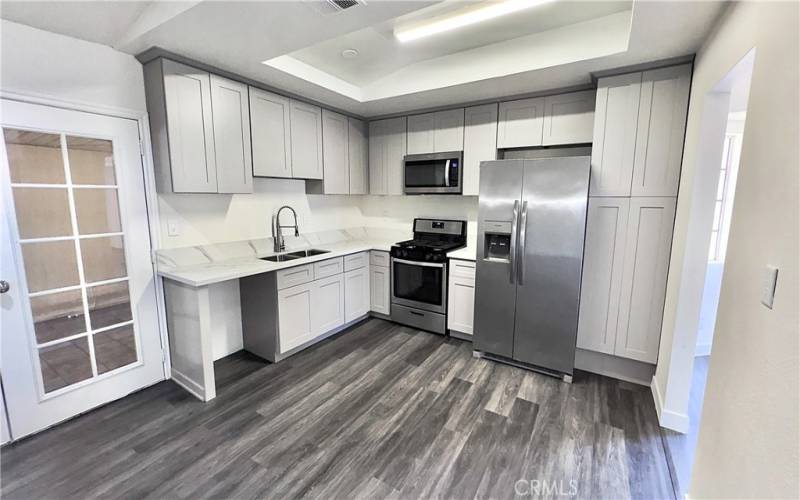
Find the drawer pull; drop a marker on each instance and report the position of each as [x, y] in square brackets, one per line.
[415, 313]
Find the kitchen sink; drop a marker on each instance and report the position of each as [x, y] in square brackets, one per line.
[308, 253]
[281, 257]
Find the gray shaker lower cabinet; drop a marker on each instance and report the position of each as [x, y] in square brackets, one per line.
[626, 259]
[286, 311]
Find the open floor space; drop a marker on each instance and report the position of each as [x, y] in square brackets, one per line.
[380, 410]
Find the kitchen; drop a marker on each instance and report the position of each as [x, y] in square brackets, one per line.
[315, 264]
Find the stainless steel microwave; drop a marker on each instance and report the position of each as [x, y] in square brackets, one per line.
[434, 173]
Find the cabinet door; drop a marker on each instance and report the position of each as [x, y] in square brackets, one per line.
[644, 279]
[327, 300]
[294, 316]
[448, 130]
[394, 153]
[356, 294]
[520, 123]
[358, 156]
[271, 131]
[387, 148]
[230, 107]
[335, 154]
[379, 289]
[568, 118]
[421, 133]
[306, 126]
[614, 137]
[603, 261]
[377, 166]
[480, 143]
[187, 92]
[461, 304]
[659, 136]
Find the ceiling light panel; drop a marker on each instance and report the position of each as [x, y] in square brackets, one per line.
[463, 17]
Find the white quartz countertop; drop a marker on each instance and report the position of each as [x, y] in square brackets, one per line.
[203, 274]
[467, 253]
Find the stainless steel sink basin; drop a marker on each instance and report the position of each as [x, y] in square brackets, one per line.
[307, 253]
[281, 257]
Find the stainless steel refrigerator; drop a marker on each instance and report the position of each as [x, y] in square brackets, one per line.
[531, 227]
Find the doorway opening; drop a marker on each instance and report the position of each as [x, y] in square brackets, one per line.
[721, 134]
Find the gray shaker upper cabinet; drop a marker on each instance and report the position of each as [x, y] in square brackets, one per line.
[271, 133]
[179, 105]
[437, 132]
[359, 156]
[568, 118]
[231, 118]
[663, 105]
[387, 147]
[639, 128]
[520, 123]
[614, 138]
[448, 130]
[306, 127]
[335, 153]
[480, 143]
[420, 133]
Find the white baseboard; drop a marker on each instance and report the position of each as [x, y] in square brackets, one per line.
[702, 350]
[615, 367]
[190, 385]
[669, 419]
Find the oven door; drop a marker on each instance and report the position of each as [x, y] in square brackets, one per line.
[433, 173]
[419, 284]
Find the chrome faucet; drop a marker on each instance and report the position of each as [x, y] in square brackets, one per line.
[277, 235]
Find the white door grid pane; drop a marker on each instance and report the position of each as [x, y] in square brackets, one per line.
[73, 249]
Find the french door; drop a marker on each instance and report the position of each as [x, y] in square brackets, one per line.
[79, 318]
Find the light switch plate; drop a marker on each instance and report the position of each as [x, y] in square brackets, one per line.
[768, 286]
[173, 227]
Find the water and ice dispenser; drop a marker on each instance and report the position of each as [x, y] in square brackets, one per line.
[497, 240]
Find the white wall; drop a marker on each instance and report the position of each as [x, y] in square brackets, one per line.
[748, 442]
[398, 212]
[214, 218]
[37, 62]
[708, 309]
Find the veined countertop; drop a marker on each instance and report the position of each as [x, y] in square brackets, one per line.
[469, 252]
[208, 264]
[234, 268]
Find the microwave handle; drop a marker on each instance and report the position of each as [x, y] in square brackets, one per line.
[447, 173]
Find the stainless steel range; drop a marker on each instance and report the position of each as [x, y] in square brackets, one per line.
[419, 273]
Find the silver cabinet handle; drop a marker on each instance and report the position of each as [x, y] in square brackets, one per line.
[4, 286]
[512, 251]
[522, 230]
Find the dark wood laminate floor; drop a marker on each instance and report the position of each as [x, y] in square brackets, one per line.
[378, 411]
[680, 448]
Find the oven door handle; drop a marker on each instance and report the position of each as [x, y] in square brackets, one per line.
[447, 173]
[417, 263]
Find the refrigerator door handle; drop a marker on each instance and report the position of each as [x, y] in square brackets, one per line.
[512, 251]
[522, 231]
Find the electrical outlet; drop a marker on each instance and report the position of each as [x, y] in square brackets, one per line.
[768, 286]
[173, 227]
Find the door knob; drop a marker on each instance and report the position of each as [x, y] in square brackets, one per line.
[4, 286]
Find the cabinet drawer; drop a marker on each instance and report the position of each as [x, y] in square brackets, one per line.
[462, 268]
[295, 276]
[355, 261]
[328, 267]
[378, 258]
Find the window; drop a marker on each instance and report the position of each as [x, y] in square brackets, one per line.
[724, 197]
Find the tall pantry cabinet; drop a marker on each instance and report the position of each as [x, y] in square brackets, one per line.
[637, 150]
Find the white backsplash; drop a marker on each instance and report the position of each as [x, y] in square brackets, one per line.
[204, 219]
